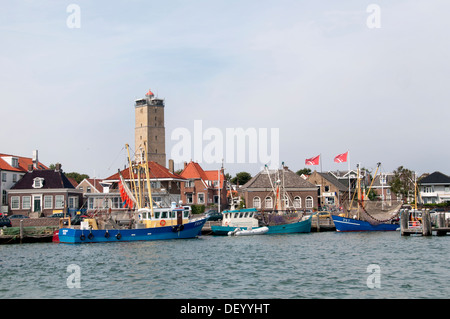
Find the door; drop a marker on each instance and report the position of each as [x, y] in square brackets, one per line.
[179, 217]
[37, 204]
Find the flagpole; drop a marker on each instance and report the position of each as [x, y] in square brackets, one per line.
[348, 162]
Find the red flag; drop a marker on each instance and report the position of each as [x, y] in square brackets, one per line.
[341, 158]
[313, 160]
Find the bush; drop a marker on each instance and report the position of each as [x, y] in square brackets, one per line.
[198, 209]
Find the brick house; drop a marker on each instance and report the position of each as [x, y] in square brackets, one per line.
[331, 191]
[203, 187]
[259, 192]
[12, 168]
[41, 192]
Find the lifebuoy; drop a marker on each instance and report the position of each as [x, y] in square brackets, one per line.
[162, 222]
[82, 237]
[90, 236]
[118, 236]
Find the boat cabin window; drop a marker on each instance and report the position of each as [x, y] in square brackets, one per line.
[163, 214]
[157, 214]
[245, 215]
[250, 215]
[173, 214]
[186, 214]
[240, 215]
[144, 215]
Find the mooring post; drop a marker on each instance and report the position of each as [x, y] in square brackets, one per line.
[404, 217]
[21, 230]
[426, 224]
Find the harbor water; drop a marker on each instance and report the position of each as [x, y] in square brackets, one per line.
[314, 265]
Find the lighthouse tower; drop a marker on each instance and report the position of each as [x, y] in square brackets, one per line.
[149, 128]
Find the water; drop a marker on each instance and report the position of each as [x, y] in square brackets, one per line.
[315, 265]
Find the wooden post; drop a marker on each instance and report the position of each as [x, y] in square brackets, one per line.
[404, 222]
[426, 224]
[441, 224]
[21, 230]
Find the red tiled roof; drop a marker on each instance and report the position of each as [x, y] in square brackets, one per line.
[23, 164]
[156, 171]
[194, 170]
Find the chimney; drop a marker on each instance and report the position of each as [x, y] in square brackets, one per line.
[30, 168]
[171, 166]
[35, 159]
[58, 167]
[185, 164]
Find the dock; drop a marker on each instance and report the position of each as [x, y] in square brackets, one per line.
[21, 234]
[425, 226]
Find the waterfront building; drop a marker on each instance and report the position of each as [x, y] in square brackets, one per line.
[203, 187]
[149, 128]
[299, 194]
[435, 188]
[12, 168]
[42, 192]
[331, 191]
[382, 188]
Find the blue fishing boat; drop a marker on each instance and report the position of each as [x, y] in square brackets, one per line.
[246, 219]
[143, 223]
[367, 215]
[344, 224]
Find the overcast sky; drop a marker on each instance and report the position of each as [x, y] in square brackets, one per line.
[312, 69]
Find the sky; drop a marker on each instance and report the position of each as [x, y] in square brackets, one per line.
[331, 76]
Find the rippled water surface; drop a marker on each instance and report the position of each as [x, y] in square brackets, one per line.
[315, 265]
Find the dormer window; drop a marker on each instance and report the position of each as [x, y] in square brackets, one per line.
[38, 182]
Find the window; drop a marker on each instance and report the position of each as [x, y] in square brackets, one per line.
[200, 198]
[59, 201]
[90, 203]
[38, 182]
[297, 202]
[4, 177]
[164, 214]
[256, 202]
[156, 184]
[447, 188]
[189, 198]
[15, 202]
[286, 201]
[4, 198]
[327, 189]
[73, 202]
[14, 178]
[309, 202]
[48, 202]
[26, 202]
[268, 202]
[189, 183]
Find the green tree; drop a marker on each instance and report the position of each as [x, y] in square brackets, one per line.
[77, 176]
[305, 171]
[241, 178]
[403, 182]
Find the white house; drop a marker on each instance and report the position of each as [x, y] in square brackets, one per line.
[435, 188]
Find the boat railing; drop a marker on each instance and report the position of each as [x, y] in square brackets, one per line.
[414, 224]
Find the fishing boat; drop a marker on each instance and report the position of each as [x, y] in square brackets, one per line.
[366, 215]
[145, 222]
[249, 218]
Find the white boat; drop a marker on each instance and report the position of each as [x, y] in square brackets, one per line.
[248, 232]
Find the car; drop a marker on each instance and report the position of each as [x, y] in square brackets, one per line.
[5, 222]
[323, 214]
[58, 215]
[18, 217]
[213, 215]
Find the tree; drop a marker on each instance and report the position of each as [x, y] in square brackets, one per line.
[305, 171]
[77, 176]
[241, 178]
[403, 182]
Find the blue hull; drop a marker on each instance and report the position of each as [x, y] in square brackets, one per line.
[343, 224]
[298, 227]
[78, 236]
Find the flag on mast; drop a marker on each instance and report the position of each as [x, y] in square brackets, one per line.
[341, 158]
[313, 160]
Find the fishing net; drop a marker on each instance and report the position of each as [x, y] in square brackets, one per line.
[272, 219]
[374, 212]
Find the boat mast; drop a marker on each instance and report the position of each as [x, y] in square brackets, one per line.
[132, 179]
[149, 188]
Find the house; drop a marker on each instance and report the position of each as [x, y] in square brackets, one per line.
[435, 188]
[332, 192]
[12, 168]
[203, 187]
[42, 192]
[259, 192]
[382, 187]
[102, 194]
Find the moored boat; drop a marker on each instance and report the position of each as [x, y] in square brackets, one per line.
[246, 219]
[145, 222]
[249, 232]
